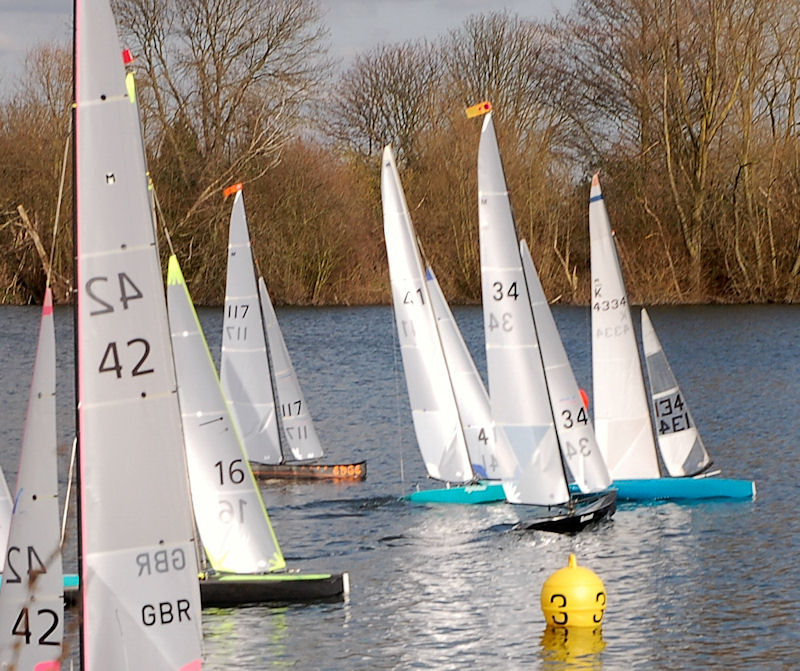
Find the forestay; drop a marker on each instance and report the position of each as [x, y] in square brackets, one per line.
[621, 410]
[517, 386]
[244, 363]
[233, 523]
[575, 432]
[434, 411]
[32, 598]
[682, 449]
[140, 594]
[298, 428]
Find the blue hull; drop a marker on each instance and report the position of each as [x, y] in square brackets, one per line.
[483, 492]
[684, 489]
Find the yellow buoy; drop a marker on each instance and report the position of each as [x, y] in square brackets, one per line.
[573, 597]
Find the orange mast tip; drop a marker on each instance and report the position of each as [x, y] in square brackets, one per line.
[596, 179]
[230, 190]
[480, 108]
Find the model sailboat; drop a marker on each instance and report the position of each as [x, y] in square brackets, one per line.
[138, 568]
[449, 404]
[623, 420]
[518, 386]
[247, 565]
[32, 598]
[257, 374]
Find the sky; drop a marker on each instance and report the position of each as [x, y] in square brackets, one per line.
[354, 25]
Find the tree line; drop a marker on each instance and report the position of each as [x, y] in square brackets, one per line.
[687, 108]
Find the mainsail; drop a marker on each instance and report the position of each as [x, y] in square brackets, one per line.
[621, 411]
[32, 598]
[517, 384]
[139, 587]
[433, 406]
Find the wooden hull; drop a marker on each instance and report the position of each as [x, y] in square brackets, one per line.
[228, 590]
[353, 472]
[685, 489]
[582, 510]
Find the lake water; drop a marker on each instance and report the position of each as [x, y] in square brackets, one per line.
[714, 585]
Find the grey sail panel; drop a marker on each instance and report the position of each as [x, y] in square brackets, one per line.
[130, 439]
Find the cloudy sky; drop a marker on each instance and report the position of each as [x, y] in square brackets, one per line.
[354, 25]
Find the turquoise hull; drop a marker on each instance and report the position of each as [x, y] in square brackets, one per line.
[684, 489]
[71, 580]
[483, 492]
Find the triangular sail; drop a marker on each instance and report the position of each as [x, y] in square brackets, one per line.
[682, 449]
[244, 367]
[621, 411]
[139, 587]
[575, 431]
[483, 441]
[517, 385]
[433, 406]
[32, 598]
[233, 523]
[298, 428]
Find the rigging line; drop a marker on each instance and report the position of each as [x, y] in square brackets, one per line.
[59, 201]
[158, 214]
[399, 431]
[70, 479]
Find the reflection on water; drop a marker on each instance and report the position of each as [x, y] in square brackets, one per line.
[573, 649]
[448, 587]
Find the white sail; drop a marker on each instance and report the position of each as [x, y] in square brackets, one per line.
[139, 587]
[298, 428]
[32, 598]
[433, 407]
[233, 523]
[244, 367]
[621, 410]
[575, 431]
[485, 445]
[679, 442]
[517, 386]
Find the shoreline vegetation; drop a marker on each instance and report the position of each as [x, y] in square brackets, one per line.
[688, 110]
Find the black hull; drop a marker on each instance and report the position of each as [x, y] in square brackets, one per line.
[582, 510]
[227, 591]
[350, 472]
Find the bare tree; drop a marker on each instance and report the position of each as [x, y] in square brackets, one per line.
[387, 96]
[224, 84]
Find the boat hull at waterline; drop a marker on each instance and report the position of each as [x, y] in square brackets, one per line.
[684, 489]
[353, 472]
[227, 590]
[581, 511]
[477, 493]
